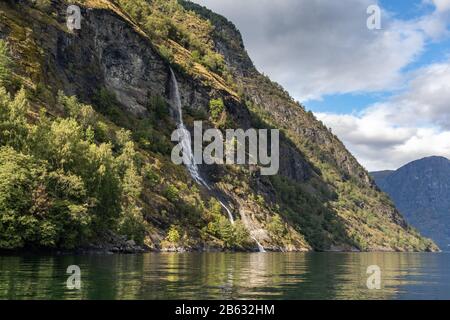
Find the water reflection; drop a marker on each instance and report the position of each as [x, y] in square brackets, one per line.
[227, 276]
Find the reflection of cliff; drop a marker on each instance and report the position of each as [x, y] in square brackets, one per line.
[218, 276]
[351, 276]
[251, 275]
[212, 276]
[44, 277]
[276, 276]
[343, 275]
[35, 278]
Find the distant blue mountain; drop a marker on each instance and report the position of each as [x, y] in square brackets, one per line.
[421, 191]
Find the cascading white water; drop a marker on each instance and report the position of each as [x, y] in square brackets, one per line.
[260, 247]
[188, 155]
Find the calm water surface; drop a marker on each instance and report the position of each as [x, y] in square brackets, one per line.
[227, 276]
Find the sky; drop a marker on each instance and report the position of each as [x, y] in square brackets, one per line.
[384, 92]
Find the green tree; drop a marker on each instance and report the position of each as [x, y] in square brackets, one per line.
[276, 228]
[20, 175]
[131, 219]
[167, 53]
[5, 64]
[173, 235]
[172, 193]
[60, 187]
[214, 62]
[13, 122]
[216, 109]
[241, 234]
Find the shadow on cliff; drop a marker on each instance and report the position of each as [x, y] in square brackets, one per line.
[303, 197]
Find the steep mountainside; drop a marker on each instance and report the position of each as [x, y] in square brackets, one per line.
[420, 191]
[119, 62]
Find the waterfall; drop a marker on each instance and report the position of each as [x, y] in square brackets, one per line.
[230, 216]
[260, 247]
[188, 155]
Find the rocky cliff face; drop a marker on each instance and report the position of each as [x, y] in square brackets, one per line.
[324, 198]
[420, 191]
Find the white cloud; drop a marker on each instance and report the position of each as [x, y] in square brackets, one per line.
[442, 5]
[435, 25]
[315, 48]
[411, 125]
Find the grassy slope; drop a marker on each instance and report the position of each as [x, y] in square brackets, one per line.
[366, 213]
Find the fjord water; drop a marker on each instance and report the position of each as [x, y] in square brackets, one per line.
[227, 276]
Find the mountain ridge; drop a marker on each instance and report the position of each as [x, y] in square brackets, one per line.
[419, 190]
[119, 63]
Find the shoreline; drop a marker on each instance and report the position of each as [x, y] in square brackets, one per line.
[141, 250]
